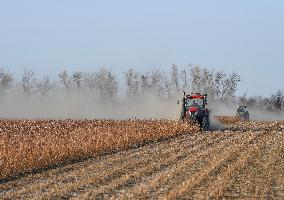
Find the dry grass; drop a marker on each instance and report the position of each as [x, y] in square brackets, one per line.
[30, 145]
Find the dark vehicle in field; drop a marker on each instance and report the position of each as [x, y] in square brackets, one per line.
[243, 113]
[194, 109]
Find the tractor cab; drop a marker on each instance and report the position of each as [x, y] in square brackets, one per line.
[243, 113]
[197, 101]
[242, 109]
[194, 109]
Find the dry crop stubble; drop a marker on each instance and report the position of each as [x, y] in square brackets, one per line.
[86, 180]
[219, 182]
[84, 174]
[106, 181]
[134, 173]
[261, 176]
[199, 152]
[215, 161]
[228, 119]
[213, 164]
[30, 145]
[141, 176]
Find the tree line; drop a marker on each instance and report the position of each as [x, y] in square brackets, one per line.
[166, 85]
[218, 85]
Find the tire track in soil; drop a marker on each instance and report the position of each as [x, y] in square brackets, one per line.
[152, 183]
[200, 175]
[172, 163]
[102, 175]
[147, 176]
[189, 169]
[107, 189]
[41, 176]
[68, 167]
[67, 177]
[261, 174]
[105, 161]
[268, 188]
[280, 176]
[216, 183]
[134, 175]
[148, 168]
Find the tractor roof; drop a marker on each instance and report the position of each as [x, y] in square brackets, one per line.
[196, 96]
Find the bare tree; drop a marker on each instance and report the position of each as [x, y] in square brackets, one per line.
[168, 88]
[90, 80]
[207, 82]
[132, 83]
[196, 78]
[77, 78]
[112, 85]
[243, 99]
[203, 80]
[157, 82]
[230, 86]
[106, 84]
[44, 86]
[145, 84]
[6, 80]
[219, 83]
[65, 80]
[277, 99]
[184, 78]
[175, 77]
[28, 81]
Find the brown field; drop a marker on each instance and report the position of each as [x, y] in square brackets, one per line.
[31, 145]
[228, 119]
[245, 160]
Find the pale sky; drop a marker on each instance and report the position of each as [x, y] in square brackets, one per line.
[243, 36]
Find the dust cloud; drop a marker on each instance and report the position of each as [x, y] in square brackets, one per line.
[60, 105]
[257, 114]
[77, 106]
[230, 109]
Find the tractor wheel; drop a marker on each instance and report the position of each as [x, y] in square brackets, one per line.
[247, 117]
[205, 124]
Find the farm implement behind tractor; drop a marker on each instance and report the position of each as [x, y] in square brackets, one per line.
[194, 110]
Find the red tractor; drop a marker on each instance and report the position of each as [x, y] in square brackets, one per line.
[194, 109]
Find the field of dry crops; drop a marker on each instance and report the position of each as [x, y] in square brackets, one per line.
[31, 145]
[129, 160]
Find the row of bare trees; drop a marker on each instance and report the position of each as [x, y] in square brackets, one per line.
[104, 84]
[194, 78]
[275, 102]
